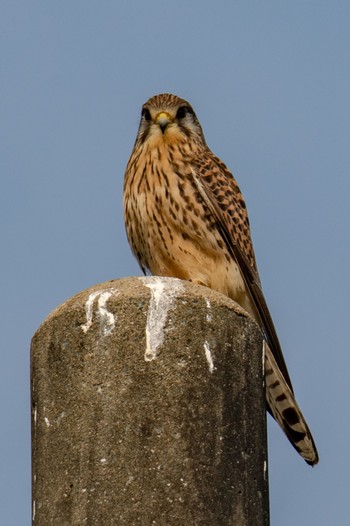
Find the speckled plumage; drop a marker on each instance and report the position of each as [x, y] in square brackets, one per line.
[185, 217]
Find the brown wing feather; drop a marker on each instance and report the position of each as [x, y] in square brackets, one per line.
[221, 193]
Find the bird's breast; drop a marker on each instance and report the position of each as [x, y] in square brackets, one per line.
[170, 229]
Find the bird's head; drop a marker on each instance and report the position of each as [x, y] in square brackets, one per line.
[168, 119]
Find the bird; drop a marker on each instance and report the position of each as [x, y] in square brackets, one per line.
[185, 217]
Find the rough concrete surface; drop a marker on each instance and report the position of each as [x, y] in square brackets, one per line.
[148, 408]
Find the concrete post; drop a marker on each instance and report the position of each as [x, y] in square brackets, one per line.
[148, 408]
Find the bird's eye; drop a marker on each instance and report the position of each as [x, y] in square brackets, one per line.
[145, 114]
[183, 111]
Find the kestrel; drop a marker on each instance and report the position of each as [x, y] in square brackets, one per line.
[185, 217]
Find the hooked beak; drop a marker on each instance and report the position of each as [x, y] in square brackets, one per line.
[163, 119]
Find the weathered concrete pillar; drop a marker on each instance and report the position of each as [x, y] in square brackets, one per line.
[148, 409]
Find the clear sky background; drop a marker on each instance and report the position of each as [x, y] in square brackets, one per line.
[270, 82]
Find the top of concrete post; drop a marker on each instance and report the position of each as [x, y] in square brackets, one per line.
[149, 408]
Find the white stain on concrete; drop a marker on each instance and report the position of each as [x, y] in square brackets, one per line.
[88, 309]
[208, 356]
[59, 418]
[129, 481]
[209, 315]
[163, 293]
[47, 421]
[107, 319]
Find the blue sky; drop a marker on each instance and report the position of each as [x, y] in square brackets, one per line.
[270, 83]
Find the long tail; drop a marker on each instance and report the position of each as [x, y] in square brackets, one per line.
[286, 412]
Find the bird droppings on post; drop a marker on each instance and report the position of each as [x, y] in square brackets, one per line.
[88, 308]
[265, 470]
[209, 316]
[208, 356]
[107, 319]
[163, 293]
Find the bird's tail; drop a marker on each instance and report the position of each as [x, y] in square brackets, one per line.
[286, 412]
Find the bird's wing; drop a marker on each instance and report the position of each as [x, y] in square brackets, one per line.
[222, 196]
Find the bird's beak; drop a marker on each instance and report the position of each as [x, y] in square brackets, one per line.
[163, 119]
